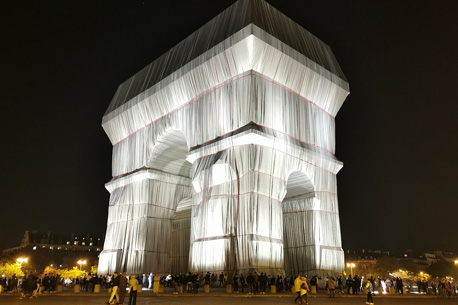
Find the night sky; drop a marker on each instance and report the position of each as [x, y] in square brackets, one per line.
[61, 62]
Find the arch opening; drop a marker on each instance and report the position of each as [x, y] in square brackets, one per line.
[169, 156]
[297, 217]
[181, 231]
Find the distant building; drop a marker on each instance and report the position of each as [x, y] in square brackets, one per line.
[45, 248]
[365, 258]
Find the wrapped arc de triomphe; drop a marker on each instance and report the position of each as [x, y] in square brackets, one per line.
[223, 153]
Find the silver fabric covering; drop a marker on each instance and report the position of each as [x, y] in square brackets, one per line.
[223, 153]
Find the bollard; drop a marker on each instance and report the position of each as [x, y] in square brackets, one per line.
[97, 288]
[392, 290]
[77, 288]
[293, 289]
[273, 289]
[313, 289]
[207, 288]
[229, 288]
[365, 290]
[351, 290]
[1, 288]
[180, 289]
[59, 288]
[404, 290]
[140, 287]
[161, 288]
[380, 289]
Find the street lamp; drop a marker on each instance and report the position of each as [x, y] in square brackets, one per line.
[351, 265]
[81, 262]
[21, 260]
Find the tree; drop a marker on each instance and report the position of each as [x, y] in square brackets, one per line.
[385, 265]
[409, 265]
[94, 269]
[441, 269]
[72, 273]
[11, 269]
[50, 271]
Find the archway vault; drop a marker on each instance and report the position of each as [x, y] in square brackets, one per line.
[299, 185]
[169, 154]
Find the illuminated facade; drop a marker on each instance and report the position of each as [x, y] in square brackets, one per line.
[223, 153]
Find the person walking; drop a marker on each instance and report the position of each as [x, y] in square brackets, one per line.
[114, 289]
[370, 288]
[304, 289]
[297, 287]
[133, 283]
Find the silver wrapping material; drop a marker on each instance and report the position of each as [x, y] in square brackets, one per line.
[223, 153]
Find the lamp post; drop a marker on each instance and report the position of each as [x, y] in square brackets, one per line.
[81, 262]
[351, 265]
[21, 260]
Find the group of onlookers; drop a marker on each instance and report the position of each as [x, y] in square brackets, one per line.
[254, 283]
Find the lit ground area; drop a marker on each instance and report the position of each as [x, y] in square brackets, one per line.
[92, 300]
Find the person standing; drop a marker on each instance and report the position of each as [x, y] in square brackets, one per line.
[250, 281]
[340, 284]
[255, 283]
[263, 282]
[122, 287]
[356, 284]
[349, 284]
[150, 281]
[331, 287]
[156, 284]
[114, 287]
[235, 283]
[133, 283]
[242, 282]
[221, 279]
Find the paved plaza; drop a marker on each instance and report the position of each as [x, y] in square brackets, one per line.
[233, 299]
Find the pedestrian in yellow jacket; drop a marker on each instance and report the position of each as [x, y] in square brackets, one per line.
[297, 287]
[304, 289]
[157, 279]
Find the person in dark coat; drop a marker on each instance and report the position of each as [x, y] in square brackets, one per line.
[349, 284]
[114, 287]
[250, 281]
[122, 287]
[235, 283]
[356, 284]
[242, 282]
[263, 282]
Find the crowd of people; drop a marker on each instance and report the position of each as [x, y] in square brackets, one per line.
[251, 283]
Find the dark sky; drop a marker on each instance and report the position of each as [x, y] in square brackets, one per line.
[61, 62]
